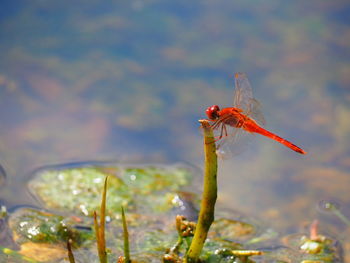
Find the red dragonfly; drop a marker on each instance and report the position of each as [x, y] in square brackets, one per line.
[244, 115]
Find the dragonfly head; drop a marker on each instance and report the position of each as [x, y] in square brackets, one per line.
[213, 112]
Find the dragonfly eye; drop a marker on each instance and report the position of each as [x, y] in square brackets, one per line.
[212, 112]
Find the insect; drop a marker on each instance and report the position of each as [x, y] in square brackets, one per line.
[245, 115]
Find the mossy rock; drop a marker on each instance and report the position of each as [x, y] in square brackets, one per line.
[142, 189]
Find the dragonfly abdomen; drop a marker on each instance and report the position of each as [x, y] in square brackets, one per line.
[251, 126]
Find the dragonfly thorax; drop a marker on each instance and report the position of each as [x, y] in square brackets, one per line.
[213, 112]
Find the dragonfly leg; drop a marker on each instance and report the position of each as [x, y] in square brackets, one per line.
[225, 130]
[215, 124]
[217, 138]
[222, 120]
[222, 130]
[223, 133]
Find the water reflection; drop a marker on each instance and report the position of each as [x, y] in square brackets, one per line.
[2, 176]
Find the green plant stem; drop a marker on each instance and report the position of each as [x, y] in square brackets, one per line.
[341, 216]
[103, 216]
[206, 214]
[126, 239]
[100, 228]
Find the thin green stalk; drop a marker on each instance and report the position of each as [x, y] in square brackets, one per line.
[100, 228]
[334, 208]
[341, 216]
[126, 239]
[103, 215]
[206, 214]
[97, 233]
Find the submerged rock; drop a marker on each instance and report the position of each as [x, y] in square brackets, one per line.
[42, 227]
[143, 189]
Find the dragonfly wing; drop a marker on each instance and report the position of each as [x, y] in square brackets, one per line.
[232, 144]
[243, 92]
[255, 112]
[244, 99]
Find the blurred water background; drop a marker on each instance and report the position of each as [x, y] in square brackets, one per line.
[128, 80]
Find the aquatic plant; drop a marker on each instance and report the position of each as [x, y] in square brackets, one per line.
[126, 258]
[100, 233]
[100, 227]
[70, 252]
[333, 208]
[206, 214]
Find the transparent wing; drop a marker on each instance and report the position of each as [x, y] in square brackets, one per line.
[254, 111]
[243, 92]
[243, 99]
[233, 141]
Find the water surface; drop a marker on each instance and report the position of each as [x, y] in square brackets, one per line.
[128, 80]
